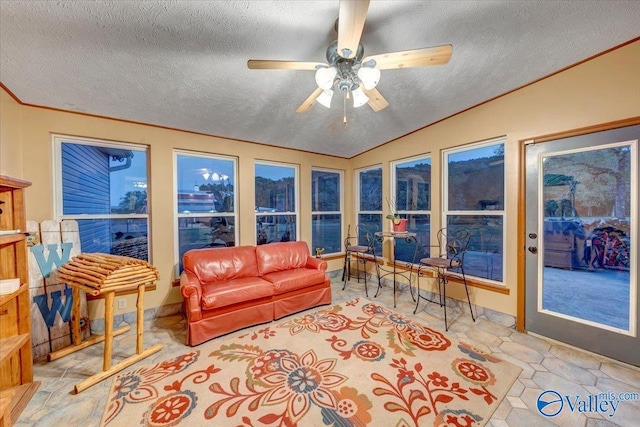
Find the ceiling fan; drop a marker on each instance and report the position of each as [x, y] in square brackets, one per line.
[346, 68]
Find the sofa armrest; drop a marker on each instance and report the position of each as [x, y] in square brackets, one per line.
[191, 291]
[316, 264]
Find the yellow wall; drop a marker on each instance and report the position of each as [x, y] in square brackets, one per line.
[38, 125]
[10, 136]
[604, 89]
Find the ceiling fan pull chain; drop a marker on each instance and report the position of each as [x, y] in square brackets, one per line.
[344, 108]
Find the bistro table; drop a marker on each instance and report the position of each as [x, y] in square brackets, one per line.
[409, 237]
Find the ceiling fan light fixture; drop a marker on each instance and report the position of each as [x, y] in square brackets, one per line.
[369, 77]
[359, 97]
[325, 77]
[348, 70]
[325, 98]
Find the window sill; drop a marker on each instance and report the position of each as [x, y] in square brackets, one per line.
[476, 283]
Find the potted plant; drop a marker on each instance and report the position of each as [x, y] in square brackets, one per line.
[399, 224]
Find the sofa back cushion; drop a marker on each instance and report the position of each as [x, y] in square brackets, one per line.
[281, 256]
[216, 264]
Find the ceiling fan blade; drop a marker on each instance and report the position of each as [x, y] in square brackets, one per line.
[308, 103]
[412, 58]
[376, 101]
[350, 24]
[266, 64]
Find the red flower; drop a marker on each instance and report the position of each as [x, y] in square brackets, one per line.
[368, 351]
[300, 380]
[169, 410]
[473, 372]
[406, 376]
[438, 380]
[352, 405]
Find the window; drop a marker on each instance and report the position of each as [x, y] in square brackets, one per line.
[474, 200]
[326, 210]
[411, 190]
[276, 187]
[369, 200]
[103, 186]
[205, 202]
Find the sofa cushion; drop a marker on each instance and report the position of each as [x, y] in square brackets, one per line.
[281, 256]
[216, 264]
[291, 280]
[234, 291]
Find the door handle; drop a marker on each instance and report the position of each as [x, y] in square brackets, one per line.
[533, 249]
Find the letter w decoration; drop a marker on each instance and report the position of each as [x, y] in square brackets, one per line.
[46, 265]
[54, 244]
[49, 314]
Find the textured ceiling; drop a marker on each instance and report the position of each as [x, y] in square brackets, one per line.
[183, 64]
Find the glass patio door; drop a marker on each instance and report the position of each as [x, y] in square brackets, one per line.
[581, 242]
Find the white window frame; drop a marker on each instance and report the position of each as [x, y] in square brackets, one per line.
[393, 164]
[502, 213]
[393, 186]
[357, 185]
[58, 140]
[296, 190]
[178, 215]
[357, 194]
[341, 202]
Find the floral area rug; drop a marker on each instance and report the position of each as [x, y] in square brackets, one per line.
[353, 364]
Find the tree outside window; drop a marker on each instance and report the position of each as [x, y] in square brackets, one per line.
[472, 204]
[369, 203]
[412, 188]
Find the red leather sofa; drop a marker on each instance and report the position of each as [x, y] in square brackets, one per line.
[226, 289]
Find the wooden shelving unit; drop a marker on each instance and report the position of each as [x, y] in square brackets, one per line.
[16, 362]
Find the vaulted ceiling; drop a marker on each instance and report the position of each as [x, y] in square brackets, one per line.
[183, 64]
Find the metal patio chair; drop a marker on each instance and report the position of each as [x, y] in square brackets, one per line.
[359, 249]
[453, 247]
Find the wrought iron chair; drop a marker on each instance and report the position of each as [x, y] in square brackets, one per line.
[454, 244]
[359, 248]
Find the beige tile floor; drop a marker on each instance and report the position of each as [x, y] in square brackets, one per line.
[546, 365]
